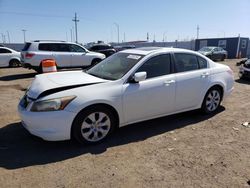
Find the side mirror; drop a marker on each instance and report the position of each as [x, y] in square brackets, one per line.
[140, 76]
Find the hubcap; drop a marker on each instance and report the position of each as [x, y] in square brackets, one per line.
[95, 126]
[213, 100]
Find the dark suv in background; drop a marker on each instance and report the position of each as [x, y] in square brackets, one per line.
[214, 53]
[105, 49]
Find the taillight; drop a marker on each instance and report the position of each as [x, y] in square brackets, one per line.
[29, 55]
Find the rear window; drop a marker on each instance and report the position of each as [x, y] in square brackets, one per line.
[56, 47]
[26, 46]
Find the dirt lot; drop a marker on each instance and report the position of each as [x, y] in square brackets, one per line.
[184, 150]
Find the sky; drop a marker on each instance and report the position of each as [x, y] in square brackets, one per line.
[167, 20]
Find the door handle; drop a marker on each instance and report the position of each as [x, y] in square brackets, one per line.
[204, 74]
[168, 82]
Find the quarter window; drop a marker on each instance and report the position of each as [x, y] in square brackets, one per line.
[202, 62]
[75, 48]
[4, 51]
[185, 62]
[157, 66]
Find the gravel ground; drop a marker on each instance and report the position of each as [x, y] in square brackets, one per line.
[183, 150]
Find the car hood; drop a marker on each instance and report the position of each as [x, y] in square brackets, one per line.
[49, 83]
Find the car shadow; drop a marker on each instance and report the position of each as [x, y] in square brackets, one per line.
[19, 149]
[243, 81]
[17, 76]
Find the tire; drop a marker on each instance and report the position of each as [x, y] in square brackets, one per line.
[95, 61]
[212, 100]
[223, 58]
[93, 125]
[14, 63]
[39, 69]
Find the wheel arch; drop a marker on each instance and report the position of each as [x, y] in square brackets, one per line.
[219, 86]
[15, 58]
[108, 106]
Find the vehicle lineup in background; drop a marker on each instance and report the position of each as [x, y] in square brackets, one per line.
[127, 87]
[244, 70]
[105, 49]
[66, 54]
[9, 57]
[214, 53]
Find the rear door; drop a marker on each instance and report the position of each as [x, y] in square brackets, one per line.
[192, 79]
[62, 55]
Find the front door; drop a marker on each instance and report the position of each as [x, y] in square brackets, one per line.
[154, 96]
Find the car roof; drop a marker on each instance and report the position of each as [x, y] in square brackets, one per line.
[52, 41]
[149, 50]
[3, 47]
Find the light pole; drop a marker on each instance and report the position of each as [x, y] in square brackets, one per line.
[163, 39]
[24, 31]
[118, 31]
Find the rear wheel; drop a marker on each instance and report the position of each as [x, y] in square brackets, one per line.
[212, 100]
[14, 63]
[93, 125]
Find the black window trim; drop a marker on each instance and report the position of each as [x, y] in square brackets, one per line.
[171, 67]
[7, 51]
[174, 64]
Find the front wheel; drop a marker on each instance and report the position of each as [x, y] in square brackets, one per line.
[95, 61]
[93, 125]
[212, 100]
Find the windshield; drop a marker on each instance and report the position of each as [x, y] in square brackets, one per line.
[206, 49]
[115, 66]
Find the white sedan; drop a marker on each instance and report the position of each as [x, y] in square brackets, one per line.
[9, 57]
[127, 87]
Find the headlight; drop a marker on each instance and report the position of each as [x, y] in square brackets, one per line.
[51, 104]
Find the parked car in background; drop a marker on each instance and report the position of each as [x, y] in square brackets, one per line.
[105, 49]
[125, 47]
[127, 87]
[9, 57]
[244, 70]
[66, 54]
[214, 53]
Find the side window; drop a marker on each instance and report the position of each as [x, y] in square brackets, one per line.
[48, 47]
[185, 62]
[63, 48]
[157, 66]
[5, 51]
[75, 48]
[202, 62]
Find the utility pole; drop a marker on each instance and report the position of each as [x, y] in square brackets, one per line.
[124, 37]
[147, 36]
[3, 38]
[8, 34]
[71, 35]
[198, 32]
[24, 39]
[76, 20]
[118, 32]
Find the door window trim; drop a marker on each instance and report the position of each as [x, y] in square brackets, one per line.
[174, 60]
[171, 67]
